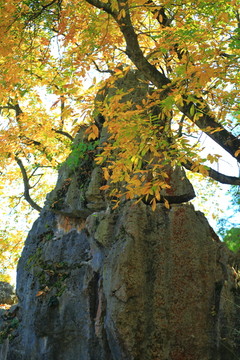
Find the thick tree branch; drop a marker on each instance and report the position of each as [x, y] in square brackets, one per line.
[27, 186]
[64, 133]
[102, 6]
[215, 175]
[211, 127]
[134, 51]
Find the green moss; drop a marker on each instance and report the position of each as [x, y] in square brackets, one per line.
[50, 275]
[34, 259]
[83, 150]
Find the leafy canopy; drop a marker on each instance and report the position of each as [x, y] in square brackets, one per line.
[186, 52]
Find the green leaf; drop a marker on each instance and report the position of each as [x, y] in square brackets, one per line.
[192, 110]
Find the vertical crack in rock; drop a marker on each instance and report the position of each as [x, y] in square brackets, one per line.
[93, 291]
[98, 344]
[93, 296]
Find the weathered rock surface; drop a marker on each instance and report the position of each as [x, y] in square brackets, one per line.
[129, 285]
[180, 190]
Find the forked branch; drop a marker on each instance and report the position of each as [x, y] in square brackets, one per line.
[27, 186]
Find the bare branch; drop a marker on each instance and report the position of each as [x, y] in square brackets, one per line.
[62, 101]
[38, 180]
[27, 186]
[39, 12]
[181, 126]
[102, 71]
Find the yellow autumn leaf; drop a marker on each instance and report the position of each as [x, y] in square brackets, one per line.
[157, 195]
[237, 152]
[166, 204]
[93, 132]
[154, 204]
[106, 173]
[104, 187]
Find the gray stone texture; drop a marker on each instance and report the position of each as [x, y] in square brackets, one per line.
[130, 285]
